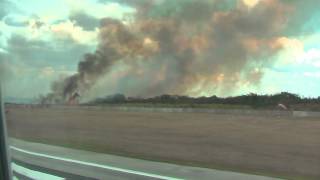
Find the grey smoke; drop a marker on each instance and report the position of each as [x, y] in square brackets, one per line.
[180, 47]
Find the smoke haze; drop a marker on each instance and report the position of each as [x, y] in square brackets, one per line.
[180, 47]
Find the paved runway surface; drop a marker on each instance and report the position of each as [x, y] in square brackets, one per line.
[34, 160]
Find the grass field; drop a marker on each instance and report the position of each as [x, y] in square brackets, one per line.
[279, 146]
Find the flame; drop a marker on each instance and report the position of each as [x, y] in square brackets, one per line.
[250, 3]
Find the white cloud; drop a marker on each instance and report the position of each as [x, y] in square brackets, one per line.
[99, 10]
[68, 29]
[47, 71]
[45, 10]
[312, 74]
[3, 50]
[311, 57]
[295, 53]
[57, 25]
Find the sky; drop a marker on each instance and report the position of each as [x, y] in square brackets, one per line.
[42, 42]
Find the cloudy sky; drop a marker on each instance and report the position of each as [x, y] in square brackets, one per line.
[43, 41]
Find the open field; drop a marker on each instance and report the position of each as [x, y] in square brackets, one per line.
[280, 146]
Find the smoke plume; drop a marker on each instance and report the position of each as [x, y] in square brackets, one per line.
[179, 47]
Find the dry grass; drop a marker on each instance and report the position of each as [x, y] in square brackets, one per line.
[277, 146]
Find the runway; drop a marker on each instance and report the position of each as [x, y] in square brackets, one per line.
[41, 161]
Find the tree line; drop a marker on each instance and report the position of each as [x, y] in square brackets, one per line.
[253, 100]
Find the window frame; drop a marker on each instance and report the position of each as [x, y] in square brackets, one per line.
[5, 160]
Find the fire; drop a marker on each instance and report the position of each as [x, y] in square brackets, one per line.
[250, 3]
[150, 46]
[74, 99]
[220, 77]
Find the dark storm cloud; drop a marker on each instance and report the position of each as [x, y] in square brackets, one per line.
[87, 22]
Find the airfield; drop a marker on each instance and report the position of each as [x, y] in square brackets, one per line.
[269, 143]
